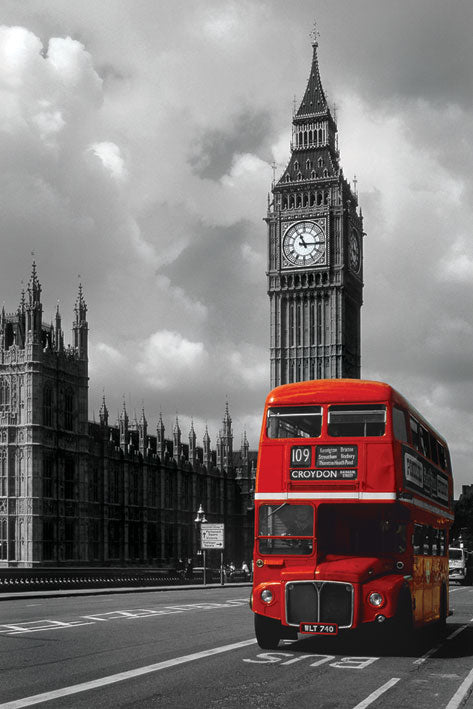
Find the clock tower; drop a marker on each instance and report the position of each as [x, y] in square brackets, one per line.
[315, 252]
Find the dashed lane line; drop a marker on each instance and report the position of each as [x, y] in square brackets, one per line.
[457, 632]
[122, 676]
[377, 693]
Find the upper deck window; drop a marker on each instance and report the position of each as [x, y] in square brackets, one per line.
[399, 425]
[294, 422]
[357, 420]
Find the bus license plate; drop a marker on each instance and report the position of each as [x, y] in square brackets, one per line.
[319, 628]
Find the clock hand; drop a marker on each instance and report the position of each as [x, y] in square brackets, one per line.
[302, 242]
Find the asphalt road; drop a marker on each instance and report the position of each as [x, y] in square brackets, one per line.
[196, 648]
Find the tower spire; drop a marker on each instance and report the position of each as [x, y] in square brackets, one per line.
[80, 327]
[314, 239]
[314, 101]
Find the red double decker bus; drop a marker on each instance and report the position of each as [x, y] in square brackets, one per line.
[353, 503]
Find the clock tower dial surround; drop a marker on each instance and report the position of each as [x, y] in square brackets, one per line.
[315, 252]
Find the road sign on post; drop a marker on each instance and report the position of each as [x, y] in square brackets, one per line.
[212, 536]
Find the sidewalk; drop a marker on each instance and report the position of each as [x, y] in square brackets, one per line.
[58, 593]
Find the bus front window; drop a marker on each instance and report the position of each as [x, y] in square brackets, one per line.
[285, 529]
[357, 420]
[294, 422]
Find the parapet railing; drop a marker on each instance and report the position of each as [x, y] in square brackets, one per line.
[12, 580]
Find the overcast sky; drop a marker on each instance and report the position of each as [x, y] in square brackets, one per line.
[136, 143]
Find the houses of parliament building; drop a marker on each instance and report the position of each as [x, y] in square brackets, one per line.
[75, 492]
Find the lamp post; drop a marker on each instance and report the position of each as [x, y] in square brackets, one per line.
[199, 519]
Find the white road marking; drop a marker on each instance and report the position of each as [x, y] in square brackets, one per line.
[121, 676]
[377, 693]
[430, 652]
[129, 614]
[457, 632]
[424, 657]
[461, 692]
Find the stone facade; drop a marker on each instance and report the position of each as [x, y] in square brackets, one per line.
[75, 493]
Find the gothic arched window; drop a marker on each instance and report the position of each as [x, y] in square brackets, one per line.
[3, 474]
[69, 477]
[48, 405]
[3, 539]
[4, 394]
[69, 410]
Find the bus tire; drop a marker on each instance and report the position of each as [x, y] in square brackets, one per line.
[402, 625]
[267, 632]
[442, 621]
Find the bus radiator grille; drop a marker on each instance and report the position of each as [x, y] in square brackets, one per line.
[319, 602]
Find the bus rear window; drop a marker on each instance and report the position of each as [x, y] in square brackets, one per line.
[357, 420]
[294, 422]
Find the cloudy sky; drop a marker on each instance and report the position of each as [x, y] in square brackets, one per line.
[136, 141]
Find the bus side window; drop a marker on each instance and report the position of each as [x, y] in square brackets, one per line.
[442, 458]
[442, 545]
[418, 539]
[427, 546]
[435, 541]
[415, 434]
[434, 449]
[424, 442]
[399, 424]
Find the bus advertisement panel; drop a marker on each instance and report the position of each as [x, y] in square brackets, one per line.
[353, 502]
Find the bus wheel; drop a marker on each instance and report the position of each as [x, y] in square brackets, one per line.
[402, 625]
[267, 631]
[442, 621]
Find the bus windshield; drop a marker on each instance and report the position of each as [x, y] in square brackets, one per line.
[294, 422]
[282, 521]
[360, 530]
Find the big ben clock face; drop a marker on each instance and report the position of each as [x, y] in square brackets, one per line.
[304, 244]
[354, 258]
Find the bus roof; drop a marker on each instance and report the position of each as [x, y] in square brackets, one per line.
[324, 391]
[327, 391]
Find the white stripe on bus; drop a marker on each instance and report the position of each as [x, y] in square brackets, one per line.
[371, 496]
[325, 496]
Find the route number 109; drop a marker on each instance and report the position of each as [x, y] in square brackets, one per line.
[301, 456]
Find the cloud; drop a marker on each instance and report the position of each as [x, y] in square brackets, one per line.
[110, 156]
[167, 357]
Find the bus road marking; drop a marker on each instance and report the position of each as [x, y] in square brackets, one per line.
[122, 676]
[344, 663]
[377, 693]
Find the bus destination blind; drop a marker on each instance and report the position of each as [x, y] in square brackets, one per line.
[331, 463]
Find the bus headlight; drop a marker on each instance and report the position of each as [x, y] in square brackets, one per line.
[376, 599]
[266, 596]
